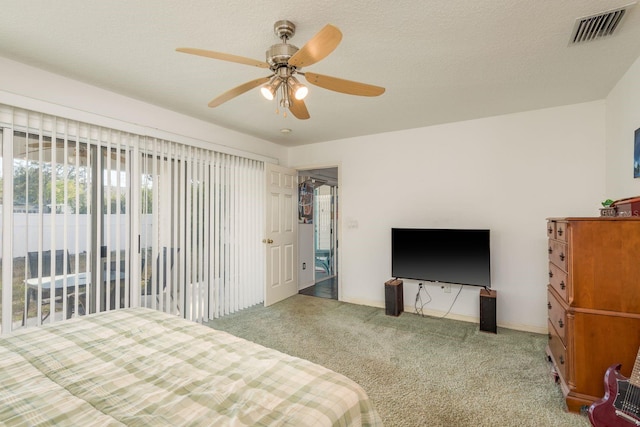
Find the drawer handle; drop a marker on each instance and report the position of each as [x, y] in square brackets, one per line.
[561, 257]
[550, 274]
[561, 323]
[550, 250]
[549, 230]
[549, 305]
[562, 360]
[562, 285]
[549, 337]
[560, 231]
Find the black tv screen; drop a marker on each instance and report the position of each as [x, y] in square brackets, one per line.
[441, 255]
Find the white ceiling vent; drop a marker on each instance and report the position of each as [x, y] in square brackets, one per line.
[599, 25]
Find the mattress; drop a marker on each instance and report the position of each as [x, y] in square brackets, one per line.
[141, 367]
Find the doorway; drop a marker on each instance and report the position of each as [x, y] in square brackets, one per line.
[318, 243]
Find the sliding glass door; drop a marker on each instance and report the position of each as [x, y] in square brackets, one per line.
[200, 231]
[52, 187]
[70, 227]
[96, 219]
[65, 222]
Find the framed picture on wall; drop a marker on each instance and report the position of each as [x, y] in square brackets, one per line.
[636, 154]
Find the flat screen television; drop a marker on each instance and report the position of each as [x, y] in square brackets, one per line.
[441, 255]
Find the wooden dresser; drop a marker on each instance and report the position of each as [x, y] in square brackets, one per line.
[593, 302]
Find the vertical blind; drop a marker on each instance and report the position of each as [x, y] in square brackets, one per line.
[114, 220]
[204, 212]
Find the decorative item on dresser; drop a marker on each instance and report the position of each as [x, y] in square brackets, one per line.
[593, 301]
[607, 209]
[623, 207]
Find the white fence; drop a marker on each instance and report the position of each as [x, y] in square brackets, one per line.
[25, 232]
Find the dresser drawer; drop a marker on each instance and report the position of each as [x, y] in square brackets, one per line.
[561, 231]
[558, 353]
[558, 253]
[557, 230]
[557, 315]
[558, 280]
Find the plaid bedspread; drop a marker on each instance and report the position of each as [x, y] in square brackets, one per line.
[140, 367]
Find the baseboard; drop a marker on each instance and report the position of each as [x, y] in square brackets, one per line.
[409, 309]
[362, 302]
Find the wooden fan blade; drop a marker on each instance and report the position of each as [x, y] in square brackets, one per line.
[298, 108]
[320, 45]
[223, 56]
[232, 93]
[344, 86]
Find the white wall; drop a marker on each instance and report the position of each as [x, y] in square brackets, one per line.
[504, 173]
[31, 88]
[623, 118]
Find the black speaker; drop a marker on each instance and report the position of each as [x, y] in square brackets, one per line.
[488, 311]
[393, 297]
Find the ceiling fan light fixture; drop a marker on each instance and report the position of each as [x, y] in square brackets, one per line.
[299, 90]
[270, 89]
[266, 92]
[284, 60]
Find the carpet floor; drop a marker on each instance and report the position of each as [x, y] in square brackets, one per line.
[418, 371]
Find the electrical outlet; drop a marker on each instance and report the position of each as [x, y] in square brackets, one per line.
[304, 265]
[446, 287]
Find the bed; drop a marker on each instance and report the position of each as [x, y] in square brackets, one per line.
[141, 367]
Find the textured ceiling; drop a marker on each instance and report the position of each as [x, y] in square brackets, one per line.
[440, 60]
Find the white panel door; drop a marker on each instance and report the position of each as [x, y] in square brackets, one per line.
[281, 237]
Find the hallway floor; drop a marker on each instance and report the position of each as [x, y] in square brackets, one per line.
[327, 288]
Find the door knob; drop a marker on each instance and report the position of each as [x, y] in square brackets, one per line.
[269, 241]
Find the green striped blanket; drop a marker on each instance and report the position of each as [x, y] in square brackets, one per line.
[140, 367]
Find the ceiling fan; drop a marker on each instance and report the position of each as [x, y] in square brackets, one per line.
[285, 61]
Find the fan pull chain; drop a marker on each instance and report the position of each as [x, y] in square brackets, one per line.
[286, 103]
[283, 101]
